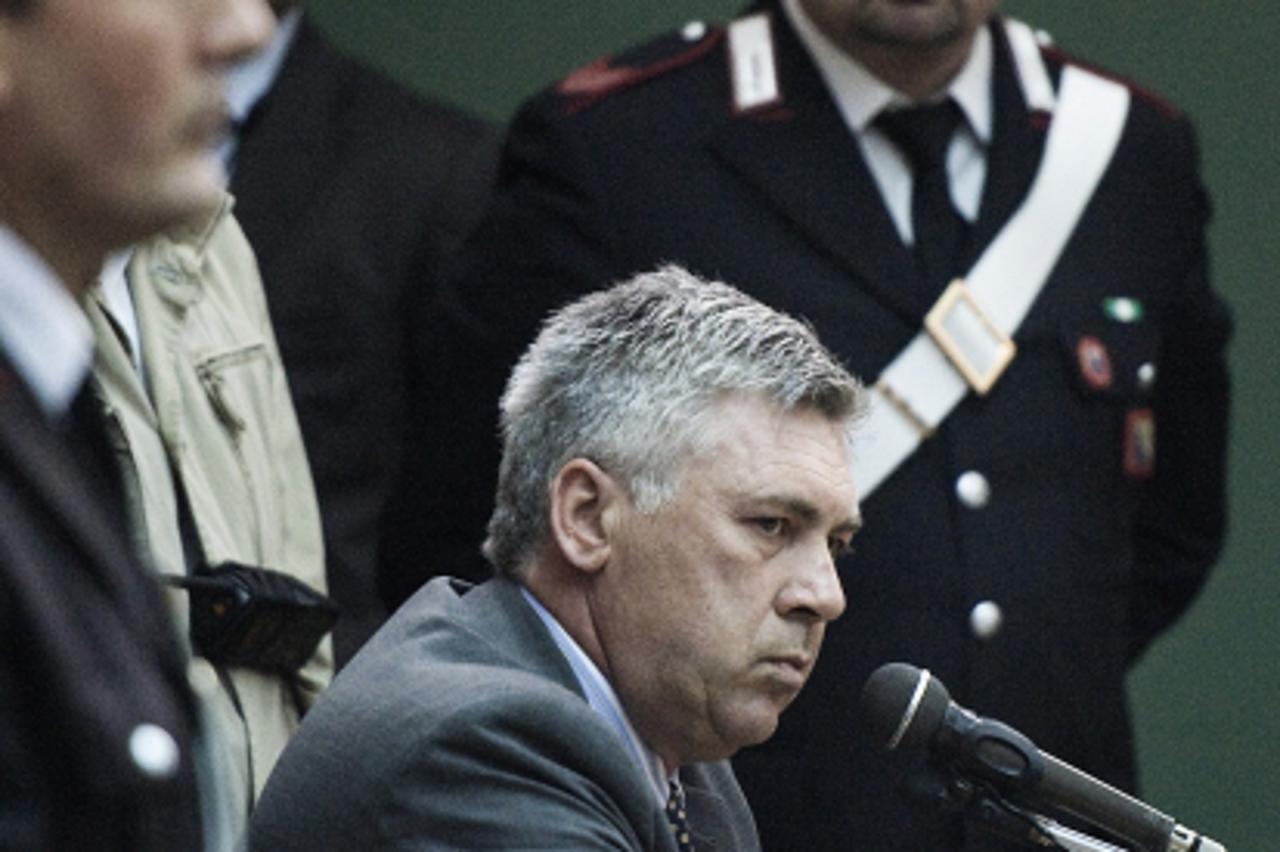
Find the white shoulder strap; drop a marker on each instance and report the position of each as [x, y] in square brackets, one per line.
[917, 391]
[1037, 88]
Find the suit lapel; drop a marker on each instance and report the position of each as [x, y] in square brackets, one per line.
[43, 462]
[806, 164]
[285, 142]
[719, 817]
[706, 822]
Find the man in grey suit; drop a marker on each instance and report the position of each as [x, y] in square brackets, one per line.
[674, 488]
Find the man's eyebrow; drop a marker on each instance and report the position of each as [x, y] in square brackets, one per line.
[807, 512]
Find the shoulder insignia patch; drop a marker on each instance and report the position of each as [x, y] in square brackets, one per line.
[608, 75]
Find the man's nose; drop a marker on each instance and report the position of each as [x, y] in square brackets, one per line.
[235, 29]
[814, 589]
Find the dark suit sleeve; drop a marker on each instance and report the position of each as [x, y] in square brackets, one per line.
[545, 240]
[462, 193]
[1181, 524]
[421, 528]
[23, 787]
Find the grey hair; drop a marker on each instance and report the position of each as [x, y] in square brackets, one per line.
[627, 376]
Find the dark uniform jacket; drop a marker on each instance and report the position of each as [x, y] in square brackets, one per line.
[1087, 544]
[352, 192]
[94, 707]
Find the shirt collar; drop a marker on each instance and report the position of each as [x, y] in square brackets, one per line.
[115, 295]
[248, 81]
[602, 698]
[971, 88]
[42, 329]
[861, 96]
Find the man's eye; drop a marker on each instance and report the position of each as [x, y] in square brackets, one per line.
[771, 526]
[839, 547]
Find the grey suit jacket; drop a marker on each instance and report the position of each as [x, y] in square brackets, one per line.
[461, 726]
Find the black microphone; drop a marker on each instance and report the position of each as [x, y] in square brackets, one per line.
[906, 708]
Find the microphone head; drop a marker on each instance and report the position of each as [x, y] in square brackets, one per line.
[903, 706]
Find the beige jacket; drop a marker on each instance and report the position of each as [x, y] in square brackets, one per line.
[215, 410]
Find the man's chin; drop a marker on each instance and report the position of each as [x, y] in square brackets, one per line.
[188, 197]
[924, 26]
[757, 724]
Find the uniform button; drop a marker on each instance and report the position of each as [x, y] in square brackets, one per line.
[973, 489]
[985, 619]
[1147, 376]
[693, 31]
[154, 751]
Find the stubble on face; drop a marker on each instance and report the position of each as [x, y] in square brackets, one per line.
[916, 46]
[901, 23]
[913, 25]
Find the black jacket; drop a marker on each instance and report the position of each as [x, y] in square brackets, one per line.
[88, 657]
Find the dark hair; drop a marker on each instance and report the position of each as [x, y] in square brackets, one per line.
[16, 7]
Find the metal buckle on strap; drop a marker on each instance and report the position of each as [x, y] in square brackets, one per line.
[909, 414]
[974, 344]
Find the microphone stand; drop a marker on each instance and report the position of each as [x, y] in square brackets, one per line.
[984, 807]
[1072, 840]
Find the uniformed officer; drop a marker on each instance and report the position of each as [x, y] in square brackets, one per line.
[1048, 488]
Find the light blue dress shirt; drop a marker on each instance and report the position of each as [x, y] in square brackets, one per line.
[604, 700]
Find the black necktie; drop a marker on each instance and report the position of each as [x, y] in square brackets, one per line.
[678, 817]
[923, 134]
[86, 430]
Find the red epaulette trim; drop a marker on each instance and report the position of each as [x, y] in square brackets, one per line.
[592, 83]
[1169, 109]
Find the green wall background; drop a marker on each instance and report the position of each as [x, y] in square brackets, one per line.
[1207, 697]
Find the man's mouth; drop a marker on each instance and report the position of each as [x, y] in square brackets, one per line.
[791, 669]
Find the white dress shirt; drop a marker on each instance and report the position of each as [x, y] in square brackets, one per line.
[43, 331]
[861, 97]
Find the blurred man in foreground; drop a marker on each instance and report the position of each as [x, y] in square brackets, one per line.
[108, 112]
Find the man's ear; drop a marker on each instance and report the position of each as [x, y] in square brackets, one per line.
[582, 498]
